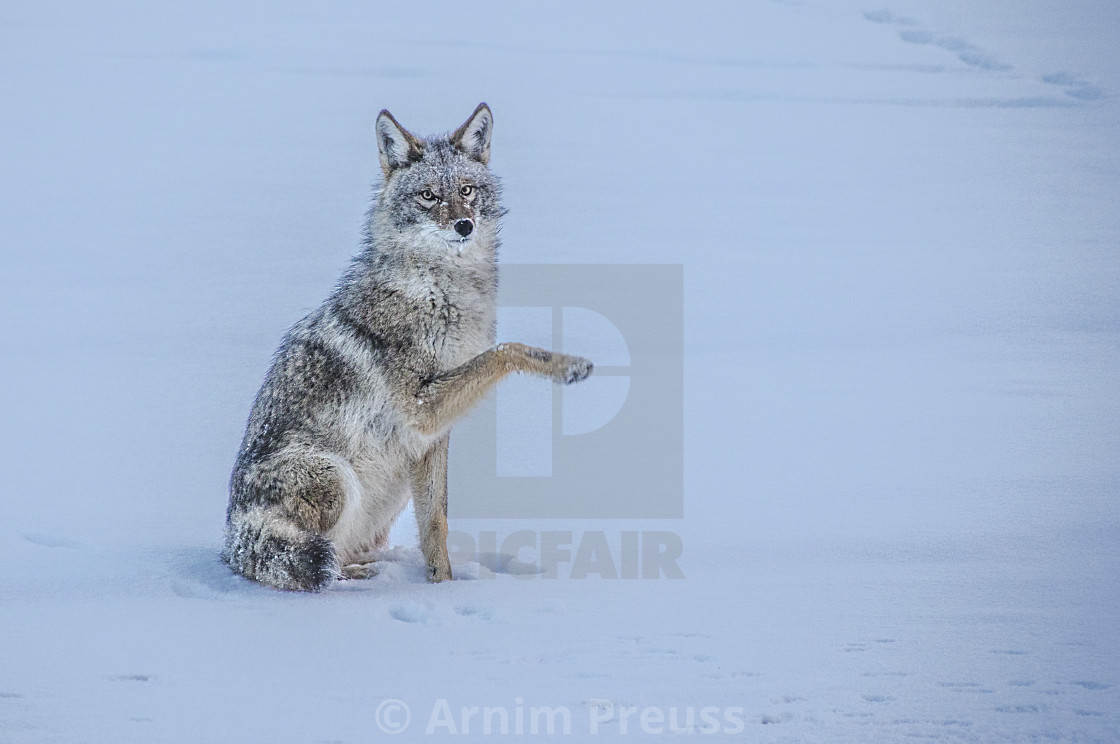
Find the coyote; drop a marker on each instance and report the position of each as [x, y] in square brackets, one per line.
[354, 415]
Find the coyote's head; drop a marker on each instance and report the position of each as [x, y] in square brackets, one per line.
[439, 194]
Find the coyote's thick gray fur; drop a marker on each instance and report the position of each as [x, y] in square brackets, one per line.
[354, 415]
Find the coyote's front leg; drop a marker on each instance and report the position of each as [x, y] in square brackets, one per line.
[442, 401]
[448, 397]
[429, 499]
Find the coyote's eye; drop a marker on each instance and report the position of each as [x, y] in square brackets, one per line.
[466, 191]
[427, 195]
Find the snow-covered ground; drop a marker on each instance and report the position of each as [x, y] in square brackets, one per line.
[899, 230]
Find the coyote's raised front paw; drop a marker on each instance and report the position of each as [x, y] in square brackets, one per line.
[562, 368]
[569, 369]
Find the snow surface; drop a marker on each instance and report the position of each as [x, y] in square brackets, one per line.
[900, 235]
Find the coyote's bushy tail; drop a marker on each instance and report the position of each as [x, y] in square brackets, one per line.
[274, 551]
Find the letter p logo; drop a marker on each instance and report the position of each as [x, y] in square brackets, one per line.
[611, 446]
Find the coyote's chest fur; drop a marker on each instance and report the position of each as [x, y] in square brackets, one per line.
[451, 321]
[454, 315]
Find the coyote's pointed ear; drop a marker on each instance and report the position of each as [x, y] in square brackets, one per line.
[396, 146]
[473, 138]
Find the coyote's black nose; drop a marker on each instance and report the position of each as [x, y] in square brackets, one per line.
[464, 227]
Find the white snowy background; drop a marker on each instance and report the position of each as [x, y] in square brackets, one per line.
[900, 229]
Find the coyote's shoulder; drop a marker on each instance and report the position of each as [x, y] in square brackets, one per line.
[354, 414]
